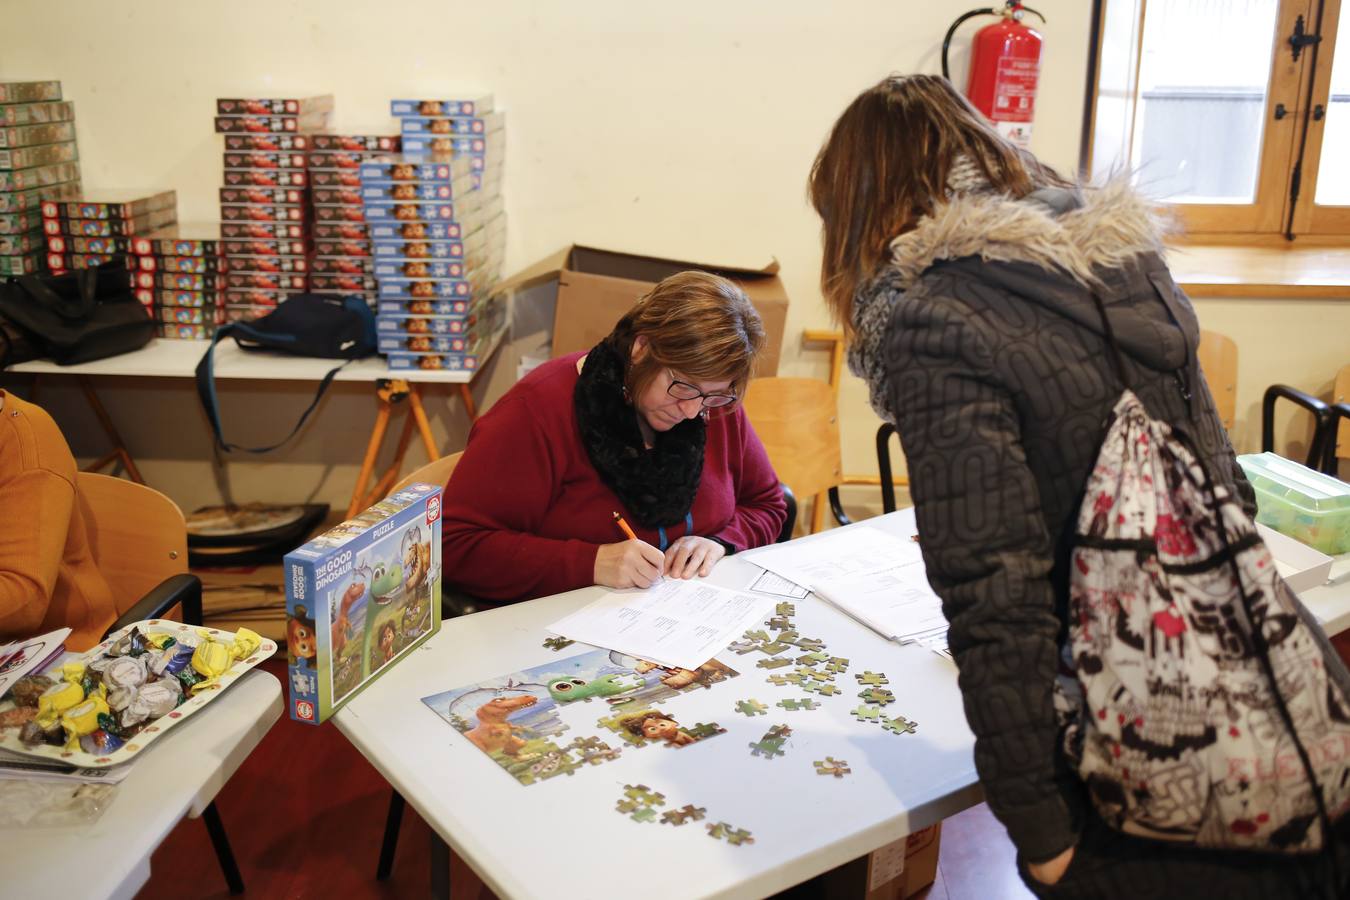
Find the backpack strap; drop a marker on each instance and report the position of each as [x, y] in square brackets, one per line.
[206, 386]
[1112, 348]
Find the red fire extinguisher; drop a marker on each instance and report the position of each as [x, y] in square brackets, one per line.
[1005, 62]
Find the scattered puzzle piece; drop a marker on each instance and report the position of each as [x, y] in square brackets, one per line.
[779, 623]
[807, 672]
[795, 678]
[872, 678]
[615, 723]
[779, 680]
[773, 648]
[900, 725]
[771, 744]
[751, 707]
[815, 656]
[786, 609]
[780, 731]
[723, 831]
[831, 766]
[593, 750]
[701, 731]
[626, 806]
[774, 662]
[760, 636]
[821, 688]
[868, 714]
[786, 637]
[744, 647]
[643, 795]
[794, 705]
[645, 814]
[877, 695]
[557, 643]
[836, 665]
[810, 644]
[689, 813]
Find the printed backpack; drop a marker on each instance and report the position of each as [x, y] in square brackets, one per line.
[1201, 706]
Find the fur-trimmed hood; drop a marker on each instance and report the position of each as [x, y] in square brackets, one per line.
[1056, 248]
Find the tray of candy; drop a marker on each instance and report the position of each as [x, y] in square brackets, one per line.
[105, 706]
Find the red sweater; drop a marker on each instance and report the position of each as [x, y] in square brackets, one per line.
[525, 511]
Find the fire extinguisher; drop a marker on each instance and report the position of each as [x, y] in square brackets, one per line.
[1005, 62]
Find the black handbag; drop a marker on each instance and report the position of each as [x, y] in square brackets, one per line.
[86, 315]
[325, 326]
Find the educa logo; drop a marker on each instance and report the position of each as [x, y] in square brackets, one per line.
[433, 509]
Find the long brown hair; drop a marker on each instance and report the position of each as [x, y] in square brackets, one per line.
[885, 166]
[697, 324]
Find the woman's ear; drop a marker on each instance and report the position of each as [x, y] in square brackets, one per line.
[639, 349]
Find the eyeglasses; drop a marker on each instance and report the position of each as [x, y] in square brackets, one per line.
[683, 390]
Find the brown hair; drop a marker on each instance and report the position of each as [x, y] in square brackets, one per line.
[635, 723]
[885, 166]
[700, 325]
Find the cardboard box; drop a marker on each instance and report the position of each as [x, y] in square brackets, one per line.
[596, 287]
[359, 597]
[916, 872]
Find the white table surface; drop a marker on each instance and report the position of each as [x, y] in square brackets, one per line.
[167, 358]
[1330, 602]
[562, 837]
[179, 775]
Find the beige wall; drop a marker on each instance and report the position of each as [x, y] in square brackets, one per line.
[683, 131]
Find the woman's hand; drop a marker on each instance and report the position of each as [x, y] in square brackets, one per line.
[690, 556]
[1052, 870]
[632, 563]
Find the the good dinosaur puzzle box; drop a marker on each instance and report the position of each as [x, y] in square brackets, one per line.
[360, 596]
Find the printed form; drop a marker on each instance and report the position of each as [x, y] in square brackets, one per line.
[675, 623]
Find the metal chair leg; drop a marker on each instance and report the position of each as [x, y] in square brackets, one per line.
[440, 867]
[228, 867]
[390, 844]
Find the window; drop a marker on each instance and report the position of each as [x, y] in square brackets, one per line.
[1226, 109]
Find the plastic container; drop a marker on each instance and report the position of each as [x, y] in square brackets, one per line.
[1298, 501]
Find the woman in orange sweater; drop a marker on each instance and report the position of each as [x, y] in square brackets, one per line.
[48, 579]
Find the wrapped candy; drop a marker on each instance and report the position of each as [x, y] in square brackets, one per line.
[82, 719]
[245, 642]
[125, 672]
[73, 672]
[27, 689]
[99, 742]
[36, 732]
[212, 658]
[159, 640]
[132, 643]
[171, 660]
[57, 699]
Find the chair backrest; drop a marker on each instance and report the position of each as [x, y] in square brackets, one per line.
[797, 419]
[1219, 360]
[435, 472]
[137, 535]
[1340, 393]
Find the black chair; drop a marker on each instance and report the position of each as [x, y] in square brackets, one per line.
[1322, 448]
[785, 533]
[884, 434]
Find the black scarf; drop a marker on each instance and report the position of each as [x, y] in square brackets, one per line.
[657, 485]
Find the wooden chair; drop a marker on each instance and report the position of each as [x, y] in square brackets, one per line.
[1218, 362]
[797, 419]
[138, 539]
[435, 472]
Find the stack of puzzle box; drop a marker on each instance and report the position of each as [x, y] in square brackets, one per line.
[265, 184]
[38, 159]
[439, 232]
[179, 275]
[84, 231]
[343, 255]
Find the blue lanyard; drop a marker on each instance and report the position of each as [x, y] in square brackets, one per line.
[661, 531]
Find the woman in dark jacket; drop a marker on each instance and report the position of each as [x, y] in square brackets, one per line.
[963, 271]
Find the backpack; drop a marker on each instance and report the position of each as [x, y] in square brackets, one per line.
[319, 325]
[78, 317]
[1201, 707]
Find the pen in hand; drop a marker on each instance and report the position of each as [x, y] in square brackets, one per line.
[628, 531]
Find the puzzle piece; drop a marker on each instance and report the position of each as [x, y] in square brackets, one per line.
[779, 680]
[786, 637]
[810, 644]
[794, 705]
[737, 836]
[771, 744]
[836, 665]
[626, 806]
[645, 814]
[702, 731]
[774, 662]
[879, 696]
[780, 731]
[831, 766]
[688, 813]
[643, 795]
[751, 707]
[900, 725]
[773, 648]
[760, 636]
[744, 647]
[780, 623]
[593, 750]
[868, 714]
[821, 688]
[872, 678]
[785, 609]
[614, 723]
[557, 643]
[815, 656]
[807, 672]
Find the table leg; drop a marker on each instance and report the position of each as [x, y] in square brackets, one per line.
[119, 451]
[390, 476]
[470, 407]
[440, 867]
[216, 828]
[415, 411]
[392, 823]
[368, 464]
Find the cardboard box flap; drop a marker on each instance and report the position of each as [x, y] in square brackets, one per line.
[543, 270]
[631, 266]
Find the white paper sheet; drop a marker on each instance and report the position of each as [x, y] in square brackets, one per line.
[29, 655]
[895, 601]
[836, 554]
[772, 583]
[675, 623]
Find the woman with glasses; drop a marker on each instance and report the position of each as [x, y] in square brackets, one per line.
[647, 424]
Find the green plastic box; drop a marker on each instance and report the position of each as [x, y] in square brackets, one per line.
[1301, 502]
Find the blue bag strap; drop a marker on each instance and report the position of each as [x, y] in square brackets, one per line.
[206, 384]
